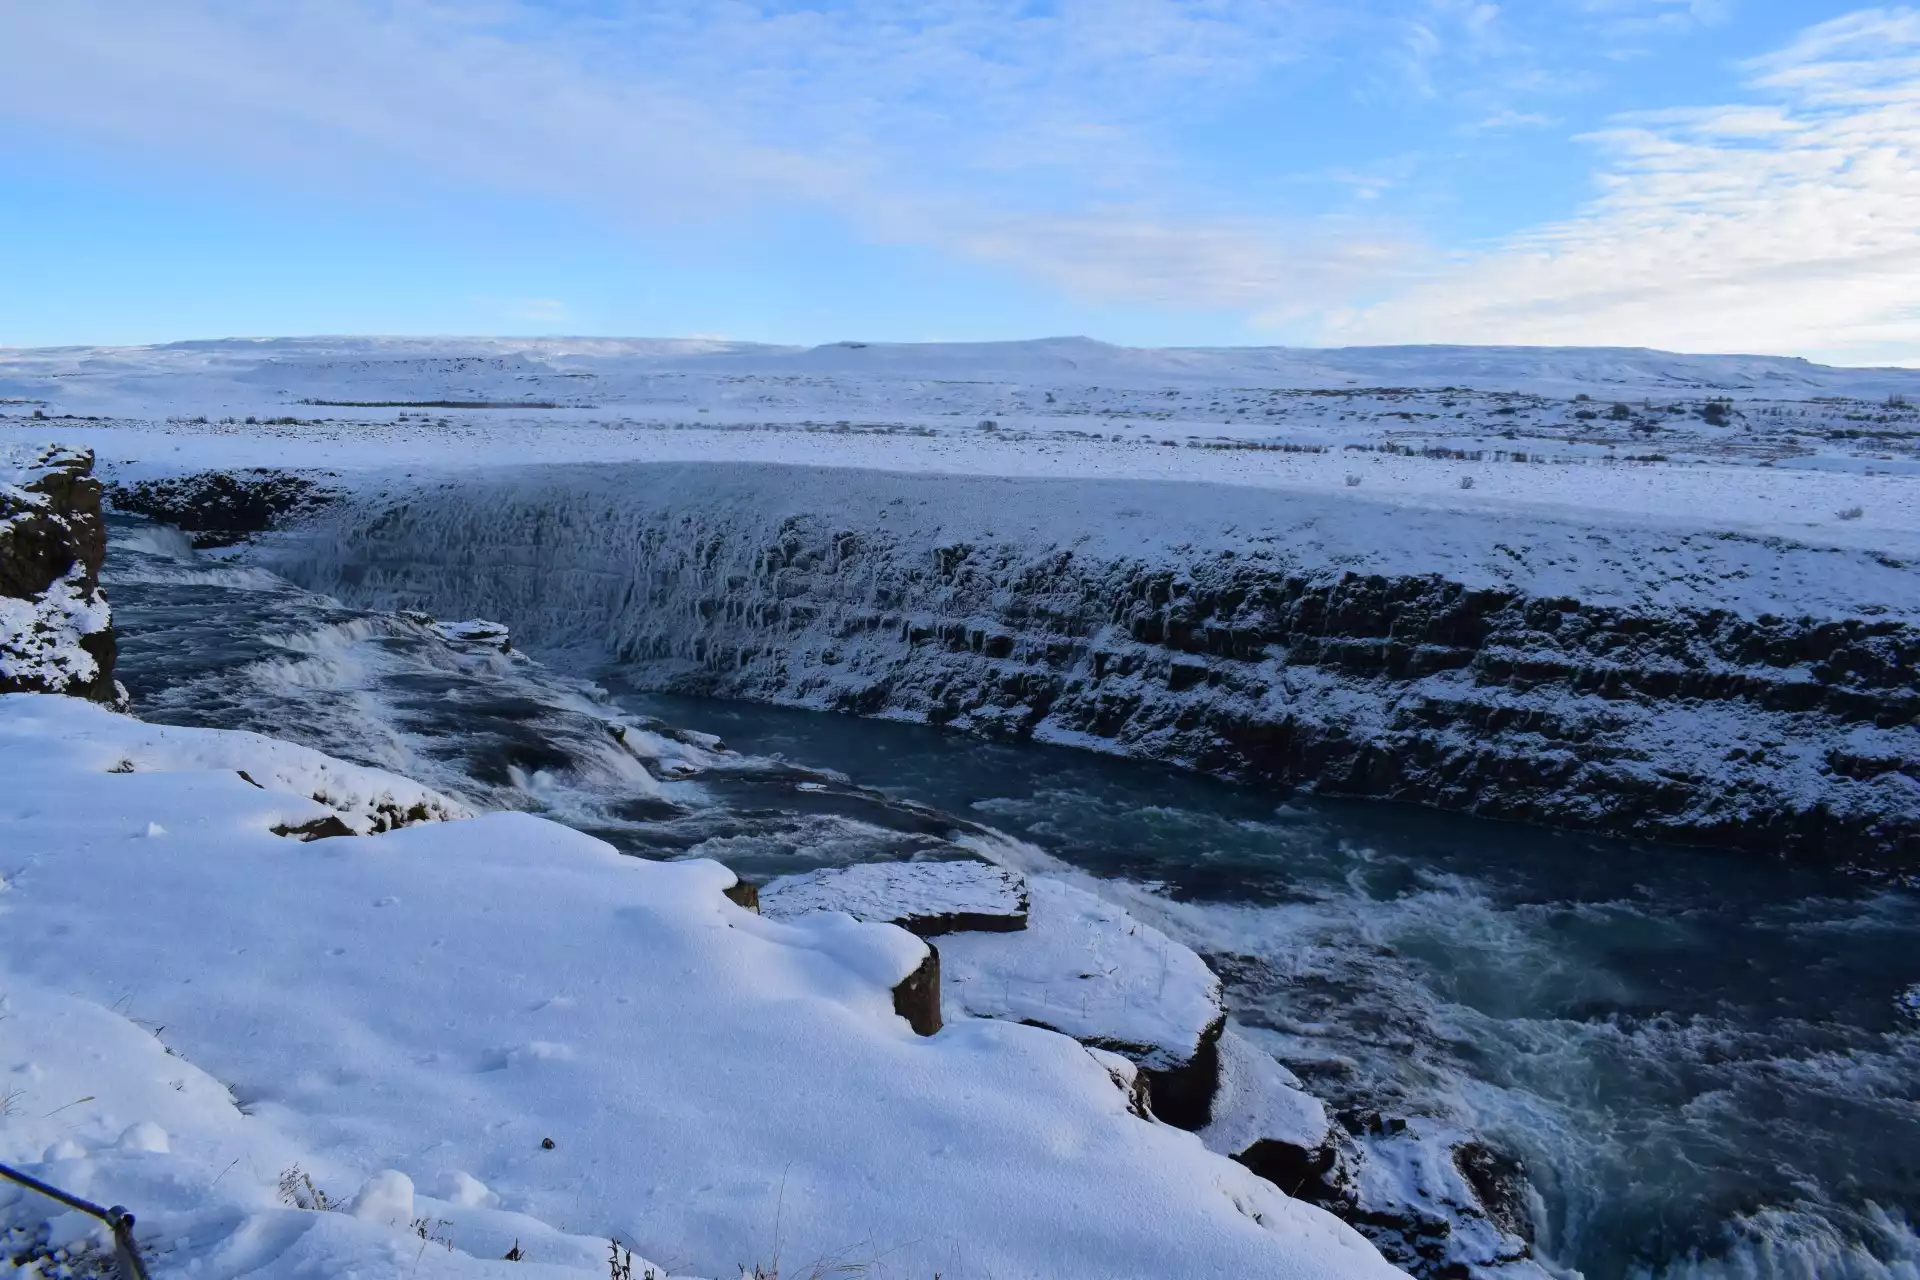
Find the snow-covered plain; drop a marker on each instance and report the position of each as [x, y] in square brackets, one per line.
[1558, 432]
[217, 1026]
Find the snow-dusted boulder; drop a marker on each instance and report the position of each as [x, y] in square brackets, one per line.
[1086, 967]
[474, 631]
[56, 632]
[1265, 1120]
[924, 898]
[1433, 1197]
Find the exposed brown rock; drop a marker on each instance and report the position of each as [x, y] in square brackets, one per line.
[1315, 1174]
[1183, 1095]
[52, 538]
[318, 829]
[917, 996]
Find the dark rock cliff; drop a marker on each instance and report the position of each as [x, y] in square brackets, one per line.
[220, 508]
[56, 634]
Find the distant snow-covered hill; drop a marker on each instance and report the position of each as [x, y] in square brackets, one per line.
[622, 370]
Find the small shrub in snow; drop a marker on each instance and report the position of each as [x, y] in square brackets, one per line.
[297, 1191]
[435, 1231]
[620, 1265]
[1851, 513]
[1353, 481]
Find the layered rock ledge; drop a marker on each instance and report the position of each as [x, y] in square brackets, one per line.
[56, 632]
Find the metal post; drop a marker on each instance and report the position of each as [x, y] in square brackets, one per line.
[126, 1254]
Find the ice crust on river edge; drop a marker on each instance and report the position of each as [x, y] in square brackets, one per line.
[213, 1024]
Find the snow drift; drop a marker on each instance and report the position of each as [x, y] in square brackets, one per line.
[507, 1036]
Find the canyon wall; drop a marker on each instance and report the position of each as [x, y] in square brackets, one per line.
[1706, 686]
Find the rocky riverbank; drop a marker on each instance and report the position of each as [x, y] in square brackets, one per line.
[56, 632]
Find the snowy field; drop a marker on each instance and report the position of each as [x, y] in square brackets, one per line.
[1758, 444]
[482, 1035]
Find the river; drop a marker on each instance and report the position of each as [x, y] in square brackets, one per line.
[1698, 1057]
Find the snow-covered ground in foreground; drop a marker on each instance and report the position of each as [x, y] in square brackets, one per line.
[207, 1022]
[1795, 449]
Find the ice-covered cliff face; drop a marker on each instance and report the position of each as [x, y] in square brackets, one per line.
[56, 634]
[1697, 685]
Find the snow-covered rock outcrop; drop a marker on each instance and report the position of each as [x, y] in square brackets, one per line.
[1433, 1199]
[1046, 954]
[925, 898]
[56, 632]
[498, 1036]
[1083, 966]
[1672, 682]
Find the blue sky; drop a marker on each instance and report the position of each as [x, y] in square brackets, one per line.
[1692, 174]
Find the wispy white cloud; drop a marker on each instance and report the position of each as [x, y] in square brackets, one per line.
[1787, 223]
[1041, 137]
[1248, 265]
[1511, 119]
[1002, 129]
[667, 102]
[363, 90]
[1633, 21]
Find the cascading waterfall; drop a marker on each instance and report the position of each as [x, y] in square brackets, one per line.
[1707, 688]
